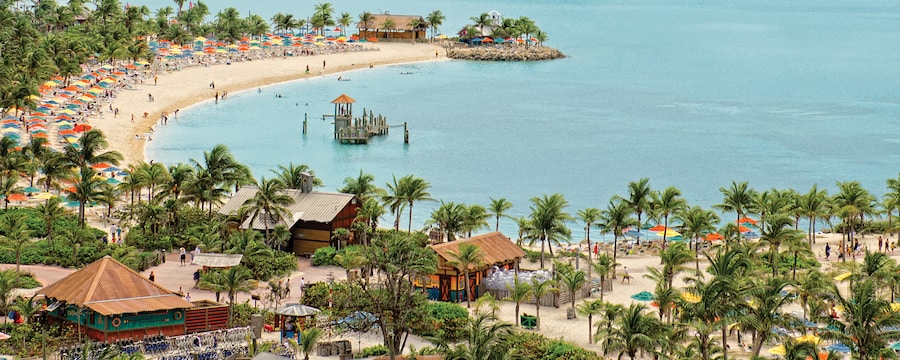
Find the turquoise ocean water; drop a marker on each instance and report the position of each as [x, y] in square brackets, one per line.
[690, 94]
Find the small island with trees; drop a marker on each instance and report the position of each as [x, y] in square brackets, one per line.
[494, 38]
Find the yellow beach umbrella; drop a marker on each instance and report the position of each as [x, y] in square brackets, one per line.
[843, 276]
[43, 196]
[691, 297]
[808, 338]
[200, 39]
[141, 63]
[71, 140]
[50, 83]
[9, 130]
[669, 233]
[895, 307]
[778, 350]
[198, 53]
[220, 51]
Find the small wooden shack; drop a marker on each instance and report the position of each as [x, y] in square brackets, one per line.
[313, 216]
[384, 26]
[497, 251]
[108, 301]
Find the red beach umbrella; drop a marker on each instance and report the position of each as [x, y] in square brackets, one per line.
[17, 197]
[100, 166]
[658, 228]
[746, 220]
[714, 237]
[82, 128]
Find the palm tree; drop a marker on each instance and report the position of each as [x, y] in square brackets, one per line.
[50, 211]
[589, 216]
[539, 288]
[54, 167]
[487, 339]
[271, 202]
[614, 219]
[363, 186]
[393, 198]
[109, 195]
[475, 217]
[573, 280]
[468, 256]
[695, 223]
[738, 198]
[810, 291]
[232, 281]
[388, 25]
[323, 12]
[673, 260]
[814, 206]
[604, 266]
[365, 18]
[9, 185]
[449, 218]
[634, 331]
[868, 322]
[293, 176]
[851, 202]
[308, 340]
[481, 21]
[414, 189]
[90, 151]
[435, 19]
[518, 293]
[16, 235]
[498, 208]
[345, 20]
[370, 211]
[87, 190]
[215, 174]
[665, 203]
[764, 310]
[638, 197]
[777, 231]
[728, 268]
[589, 309]
[548, 220]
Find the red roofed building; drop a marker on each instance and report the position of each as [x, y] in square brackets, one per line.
[497, 250]
[110, 301]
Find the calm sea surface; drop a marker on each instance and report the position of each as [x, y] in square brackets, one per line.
[691, 95]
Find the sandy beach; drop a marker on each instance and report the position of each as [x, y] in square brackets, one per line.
[182, 88]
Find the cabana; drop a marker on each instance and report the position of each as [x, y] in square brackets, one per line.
[448, 283]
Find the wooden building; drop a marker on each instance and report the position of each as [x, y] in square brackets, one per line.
[384, 26]
[313, 216]
[445, 285]
[109, 301]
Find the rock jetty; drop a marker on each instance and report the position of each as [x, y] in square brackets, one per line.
[513, 53]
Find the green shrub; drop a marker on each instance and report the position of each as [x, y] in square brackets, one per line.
[324, 256]
[445, 321]
[370, 351]
[533, 256]
[242, 312]
[265, 267]
[531, 345]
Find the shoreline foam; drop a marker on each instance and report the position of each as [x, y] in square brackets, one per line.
[190, 86]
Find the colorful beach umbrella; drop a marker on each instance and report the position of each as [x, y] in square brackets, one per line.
[31, 189]
[643, 296]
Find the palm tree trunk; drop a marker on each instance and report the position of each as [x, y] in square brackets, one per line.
[409, 230]
[542, 251]
[724, 341]
[590, 325]
[468, 288]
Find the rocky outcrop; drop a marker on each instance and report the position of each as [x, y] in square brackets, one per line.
[512, 53]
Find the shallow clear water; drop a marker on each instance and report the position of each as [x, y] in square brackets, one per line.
[691, 95]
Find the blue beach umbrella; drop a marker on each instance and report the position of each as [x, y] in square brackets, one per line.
[895, 346]
[112, 169]
[839, 347]
[643, 296]
[113, 181]
[73, 203]
[31, 189]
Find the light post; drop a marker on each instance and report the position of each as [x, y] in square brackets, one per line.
[330, 279]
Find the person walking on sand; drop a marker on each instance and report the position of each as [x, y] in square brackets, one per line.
[152, 277]
[323, 64]
[183, 255]
[155, 79]
[217, 97]
[212, 85]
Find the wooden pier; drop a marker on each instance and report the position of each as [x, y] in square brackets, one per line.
[350, 130]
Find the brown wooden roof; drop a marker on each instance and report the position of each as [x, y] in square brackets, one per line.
[496, 249]
[109, 287]
[401, 22]
[343, 99]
